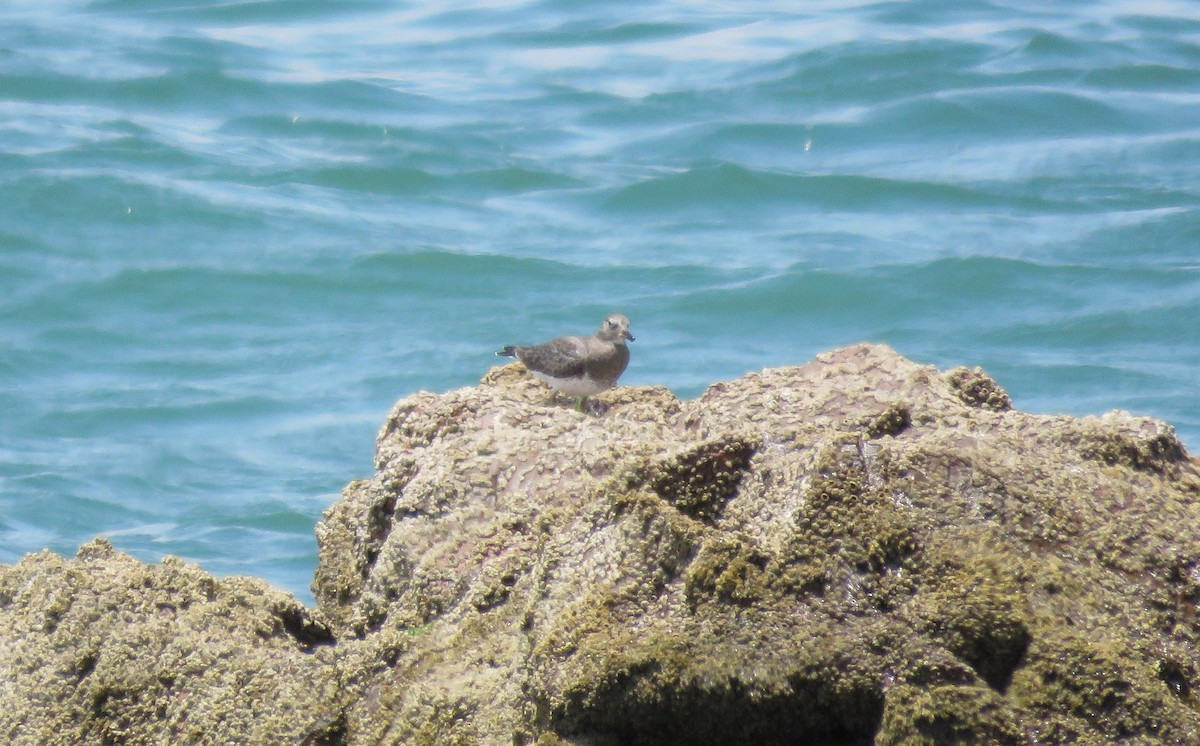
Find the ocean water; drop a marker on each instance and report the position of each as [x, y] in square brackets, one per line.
[233, 233]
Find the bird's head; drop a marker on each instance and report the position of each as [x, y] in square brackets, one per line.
[615, 328]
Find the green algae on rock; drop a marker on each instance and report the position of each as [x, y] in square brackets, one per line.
[857, 550]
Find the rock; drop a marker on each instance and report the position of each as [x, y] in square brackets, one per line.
[104, 649]
[857, 550]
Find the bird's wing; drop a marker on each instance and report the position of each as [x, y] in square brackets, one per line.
[562, 358]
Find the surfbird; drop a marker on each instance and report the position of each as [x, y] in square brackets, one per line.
[579, 366]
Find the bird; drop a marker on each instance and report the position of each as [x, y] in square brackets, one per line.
[579, 366]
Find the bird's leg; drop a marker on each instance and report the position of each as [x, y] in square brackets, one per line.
[595, 407]
[579, 405]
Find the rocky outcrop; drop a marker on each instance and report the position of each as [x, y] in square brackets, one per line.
[857, 550]
[103, 649]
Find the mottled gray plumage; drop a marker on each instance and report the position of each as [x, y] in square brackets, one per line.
[579, 366]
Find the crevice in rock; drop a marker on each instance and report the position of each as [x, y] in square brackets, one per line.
[335, 733]
[1176, 678]
[302, 628]
[639, 707]
[997, 655]
[86, 664]
[380, 519]
[699, 481]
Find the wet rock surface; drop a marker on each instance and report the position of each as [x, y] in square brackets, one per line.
[857, 550]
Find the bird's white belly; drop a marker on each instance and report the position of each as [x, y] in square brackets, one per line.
[571, 386]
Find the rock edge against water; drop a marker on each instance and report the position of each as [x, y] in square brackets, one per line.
[857, 550]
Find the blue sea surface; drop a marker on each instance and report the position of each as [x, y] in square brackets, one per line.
[233, 233]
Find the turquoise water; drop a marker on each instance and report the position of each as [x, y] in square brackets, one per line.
[232, 234]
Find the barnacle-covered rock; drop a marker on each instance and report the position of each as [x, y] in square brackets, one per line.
[857, 550]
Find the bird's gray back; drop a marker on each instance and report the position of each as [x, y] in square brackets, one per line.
[563, 357]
